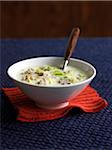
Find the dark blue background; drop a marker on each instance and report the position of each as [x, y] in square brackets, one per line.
[77, 130]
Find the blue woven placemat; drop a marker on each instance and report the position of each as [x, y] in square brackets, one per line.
[78, 130]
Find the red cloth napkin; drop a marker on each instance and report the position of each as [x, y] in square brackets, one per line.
[89, 101]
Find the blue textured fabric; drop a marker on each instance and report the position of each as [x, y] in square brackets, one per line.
[77, 130]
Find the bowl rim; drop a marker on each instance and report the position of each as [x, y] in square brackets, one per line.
[54, 86]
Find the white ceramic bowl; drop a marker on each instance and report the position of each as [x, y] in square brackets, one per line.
[51, 97]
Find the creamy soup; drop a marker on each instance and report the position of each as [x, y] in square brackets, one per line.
[50, 75]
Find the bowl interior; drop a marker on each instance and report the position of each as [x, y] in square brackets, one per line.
[16, 68]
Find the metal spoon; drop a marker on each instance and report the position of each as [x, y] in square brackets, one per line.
[71, 46]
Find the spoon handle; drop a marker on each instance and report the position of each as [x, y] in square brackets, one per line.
[72, 43]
